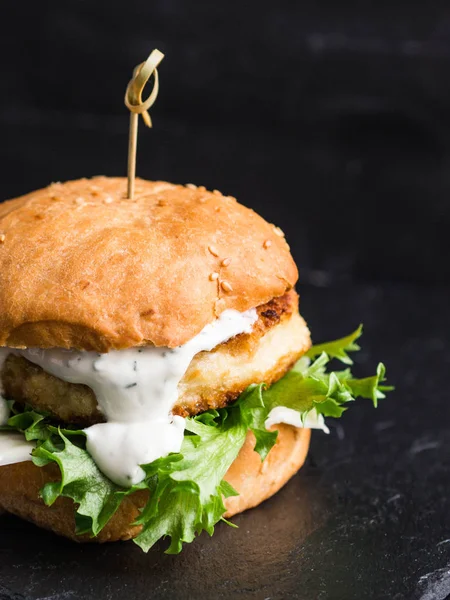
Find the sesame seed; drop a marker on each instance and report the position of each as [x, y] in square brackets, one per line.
[217, 193]
[201, 188]
[217, 209]
[267, 244]
[226, 286]
[213, 250]
[203, 199]
[162, 202]
[108, 200]
[79, 201]
[2, 238]
[279, 232]
[213, 276]
[225, 262]
[191, 186]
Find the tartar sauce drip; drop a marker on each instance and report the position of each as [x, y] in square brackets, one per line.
[14, 448]
[136, 390]
[289, 416]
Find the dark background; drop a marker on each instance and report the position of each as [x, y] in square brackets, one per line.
[331, 119]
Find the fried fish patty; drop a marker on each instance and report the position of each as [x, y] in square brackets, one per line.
[212, 380]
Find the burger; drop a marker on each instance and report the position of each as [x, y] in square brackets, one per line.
[156, 375]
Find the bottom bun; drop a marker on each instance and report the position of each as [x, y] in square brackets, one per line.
[254, 480]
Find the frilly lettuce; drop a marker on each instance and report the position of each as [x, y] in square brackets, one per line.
[186, 490]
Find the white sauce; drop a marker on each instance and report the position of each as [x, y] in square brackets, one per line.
[310, 420]
[119, 448]
[4, 409]
[14, 448]
[136, 390]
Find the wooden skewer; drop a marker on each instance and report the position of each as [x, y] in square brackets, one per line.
[137, 106]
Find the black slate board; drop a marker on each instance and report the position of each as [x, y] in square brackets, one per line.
[367, 517]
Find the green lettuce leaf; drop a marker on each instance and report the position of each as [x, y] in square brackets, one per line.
[338, 348]
[254, 411]
[187, 498]
[33, 424]
[186, 490]
[96, 496]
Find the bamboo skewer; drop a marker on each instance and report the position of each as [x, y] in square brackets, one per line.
[137, 106]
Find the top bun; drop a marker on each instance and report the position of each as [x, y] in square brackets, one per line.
[83, 267]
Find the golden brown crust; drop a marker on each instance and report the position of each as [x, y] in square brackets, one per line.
[83, 267]
[212, 380]
[270, 314]
[256, 481]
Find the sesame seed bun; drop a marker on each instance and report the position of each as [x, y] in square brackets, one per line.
[254, 480]
[83, 267]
